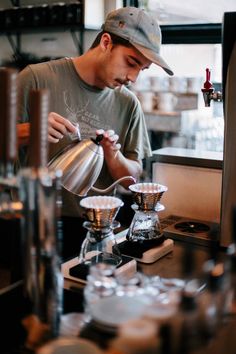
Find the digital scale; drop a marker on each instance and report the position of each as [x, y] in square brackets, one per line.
[72, 269]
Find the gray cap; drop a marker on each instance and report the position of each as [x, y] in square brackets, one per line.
[140, 29]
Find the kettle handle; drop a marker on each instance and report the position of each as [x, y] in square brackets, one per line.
[112, 186]
[97, 139]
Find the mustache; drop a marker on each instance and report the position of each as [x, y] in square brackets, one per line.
[124, 82]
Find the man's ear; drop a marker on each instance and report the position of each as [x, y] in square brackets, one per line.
[106, 41]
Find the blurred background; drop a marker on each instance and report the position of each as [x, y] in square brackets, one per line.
[33, 31]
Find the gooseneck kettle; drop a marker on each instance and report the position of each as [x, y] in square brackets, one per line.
[81, 163]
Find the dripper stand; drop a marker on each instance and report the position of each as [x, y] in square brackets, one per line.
[100, 244]
[145, 240]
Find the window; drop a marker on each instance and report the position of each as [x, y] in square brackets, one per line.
[191, 32]
[171, 12]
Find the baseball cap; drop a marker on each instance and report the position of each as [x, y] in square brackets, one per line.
[140, 29]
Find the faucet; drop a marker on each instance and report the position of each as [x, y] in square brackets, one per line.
[209, 91]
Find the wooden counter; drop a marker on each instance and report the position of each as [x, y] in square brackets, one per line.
[163, 122]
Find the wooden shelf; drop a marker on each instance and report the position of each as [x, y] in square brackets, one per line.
[162, 113]
[163, 121]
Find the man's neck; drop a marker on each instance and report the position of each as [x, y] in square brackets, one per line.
[87, 68]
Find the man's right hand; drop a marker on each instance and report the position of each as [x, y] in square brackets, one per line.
[58, 127]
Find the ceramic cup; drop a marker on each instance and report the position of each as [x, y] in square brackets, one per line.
[166, 101]
[147, 100]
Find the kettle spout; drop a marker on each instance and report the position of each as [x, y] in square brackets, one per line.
[112, 186]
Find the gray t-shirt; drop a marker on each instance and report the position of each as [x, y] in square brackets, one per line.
[93, 108]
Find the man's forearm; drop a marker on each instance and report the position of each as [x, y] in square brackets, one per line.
[120, 166]
[23, 133]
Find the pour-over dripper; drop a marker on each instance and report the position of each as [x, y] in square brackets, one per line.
[101, 210]
[100, 244]
[147, 195]
[145, 225]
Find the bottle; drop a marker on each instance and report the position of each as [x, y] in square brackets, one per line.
[187, 333]
[10, 255]
[230, 296]
[9, 209]
[8, 138]
[100, 283]
[39, 190]
[139, 336]
[183, 333]
[211, 299]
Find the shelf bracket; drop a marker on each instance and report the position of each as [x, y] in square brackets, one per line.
[16, 45]
[15, 3]
[78, 40]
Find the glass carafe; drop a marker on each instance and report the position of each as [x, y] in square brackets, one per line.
[145, 225]
[100, 243]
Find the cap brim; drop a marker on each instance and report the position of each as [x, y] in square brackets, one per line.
[154, 57]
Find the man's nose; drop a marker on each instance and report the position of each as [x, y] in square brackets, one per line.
[133, 75]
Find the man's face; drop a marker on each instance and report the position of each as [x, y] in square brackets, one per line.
[121, 65]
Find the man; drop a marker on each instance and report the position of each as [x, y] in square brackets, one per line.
[91, 90]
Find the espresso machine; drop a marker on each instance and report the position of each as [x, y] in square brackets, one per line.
[228, 199]
[228, 192]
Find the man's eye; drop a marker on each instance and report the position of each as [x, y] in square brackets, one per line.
[132, 63]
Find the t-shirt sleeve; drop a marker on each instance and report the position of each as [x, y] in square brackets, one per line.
[137, 144]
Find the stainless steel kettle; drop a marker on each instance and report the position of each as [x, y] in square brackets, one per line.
[81, 163]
